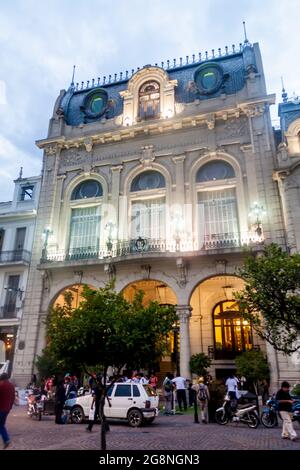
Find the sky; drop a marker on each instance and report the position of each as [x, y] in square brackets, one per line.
[41, 40]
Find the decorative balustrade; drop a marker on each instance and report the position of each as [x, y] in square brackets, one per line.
[166, 65]
[8, 311]
[138, 246]
[15, 256]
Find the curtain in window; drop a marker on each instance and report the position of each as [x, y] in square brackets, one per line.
[85, 229]
[217, 213]
[148, 218]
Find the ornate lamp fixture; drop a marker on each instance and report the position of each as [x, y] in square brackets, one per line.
[256, 213]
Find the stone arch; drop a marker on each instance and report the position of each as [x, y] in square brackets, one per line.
[293, 137]
[141, 168]
[76, 180]
[58, 289]
[154, 289]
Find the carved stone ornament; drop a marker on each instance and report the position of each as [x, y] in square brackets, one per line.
[88, 145]
[210, 121]
[221, 266]
[147, 155]
[236, 127]
[282, 153]
[51, 149]
[254, 110]
[73, 157]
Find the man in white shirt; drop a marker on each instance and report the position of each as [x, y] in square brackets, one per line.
[232, 387]
[180, 383]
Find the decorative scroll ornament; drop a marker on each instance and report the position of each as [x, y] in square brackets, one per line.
[148, 156]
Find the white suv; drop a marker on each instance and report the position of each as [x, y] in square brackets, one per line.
[137, 403]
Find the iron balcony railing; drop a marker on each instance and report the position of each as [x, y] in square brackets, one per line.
[8, 311]
[226, 353]
[114, 249]
[15, 256]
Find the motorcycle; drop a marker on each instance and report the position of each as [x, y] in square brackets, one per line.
[35, 406]
[231, 412]
[270, 413]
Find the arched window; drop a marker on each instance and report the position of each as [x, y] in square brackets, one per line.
[149, 100]
[87, 189]
[147, 208]
[84, 236]
[232, 333]
[215, 170]
[217, 206]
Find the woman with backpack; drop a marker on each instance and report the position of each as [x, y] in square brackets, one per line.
[168, 392]
[202, 394]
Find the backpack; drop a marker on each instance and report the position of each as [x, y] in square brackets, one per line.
[202, 396]
[168, 386]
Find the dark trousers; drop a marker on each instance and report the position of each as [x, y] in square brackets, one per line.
[3, 431]
[58, 412]
[181, 398]
[96, 415]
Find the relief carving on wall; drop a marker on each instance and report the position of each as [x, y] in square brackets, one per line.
[236, 127]
[73, 157]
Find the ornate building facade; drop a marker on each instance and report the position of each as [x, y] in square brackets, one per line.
[160, 178]
[17, 225]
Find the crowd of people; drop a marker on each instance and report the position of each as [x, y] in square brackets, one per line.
[174, 390]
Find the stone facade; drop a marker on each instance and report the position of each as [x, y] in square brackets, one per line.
[17, 225]
[173, 160]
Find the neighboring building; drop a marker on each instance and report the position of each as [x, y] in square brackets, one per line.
[287, 175]
[160, 178]
[17, 224]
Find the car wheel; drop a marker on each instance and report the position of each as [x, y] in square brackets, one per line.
[77, 415]
[135, 418]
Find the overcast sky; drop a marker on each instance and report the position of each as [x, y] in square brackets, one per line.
[41, 40]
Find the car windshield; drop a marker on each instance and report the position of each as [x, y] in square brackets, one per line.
[150, 391]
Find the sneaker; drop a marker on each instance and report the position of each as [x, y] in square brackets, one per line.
[293, 439]
[6, 444]
[284, 437]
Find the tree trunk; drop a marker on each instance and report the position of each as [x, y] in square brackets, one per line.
[102, 416]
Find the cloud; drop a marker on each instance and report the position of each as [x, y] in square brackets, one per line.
[40, 42]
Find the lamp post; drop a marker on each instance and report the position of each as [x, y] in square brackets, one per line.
[111, 228]
[46, 234]
[179, 227]
[256, 213]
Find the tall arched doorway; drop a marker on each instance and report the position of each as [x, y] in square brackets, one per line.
[163, 294]
[217, 327]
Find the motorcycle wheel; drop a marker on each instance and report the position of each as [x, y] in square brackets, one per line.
[269, 420]
[253, 420]
[221, 417]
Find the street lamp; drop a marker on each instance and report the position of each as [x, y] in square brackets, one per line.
[112, 229]
[256, 213]
[46, 234]
[179, 228]
[14, 289]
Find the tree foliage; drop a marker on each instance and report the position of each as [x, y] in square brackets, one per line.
[254, 366]
[199, 363]
[107, 329]
[271, 297]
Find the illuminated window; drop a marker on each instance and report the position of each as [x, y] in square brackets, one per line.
[149, 100]
[232, 333]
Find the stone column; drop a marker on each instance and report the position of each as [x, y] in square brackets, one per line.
[179, 195]
[184, 312]
[115, 193]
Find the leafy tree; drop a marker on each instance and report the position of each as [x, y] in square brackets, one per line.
[199, 363]
[48, 365]
[108, 330]
[254, 366]
[271, 297]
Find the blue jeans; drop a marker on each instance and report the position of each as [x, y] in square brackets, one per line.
[3, 431]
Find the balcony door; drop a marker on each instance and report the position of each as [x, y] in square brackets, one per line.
[19, 243]
[9, 309]
[84, 231]
[148, 218]
[218, 216]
